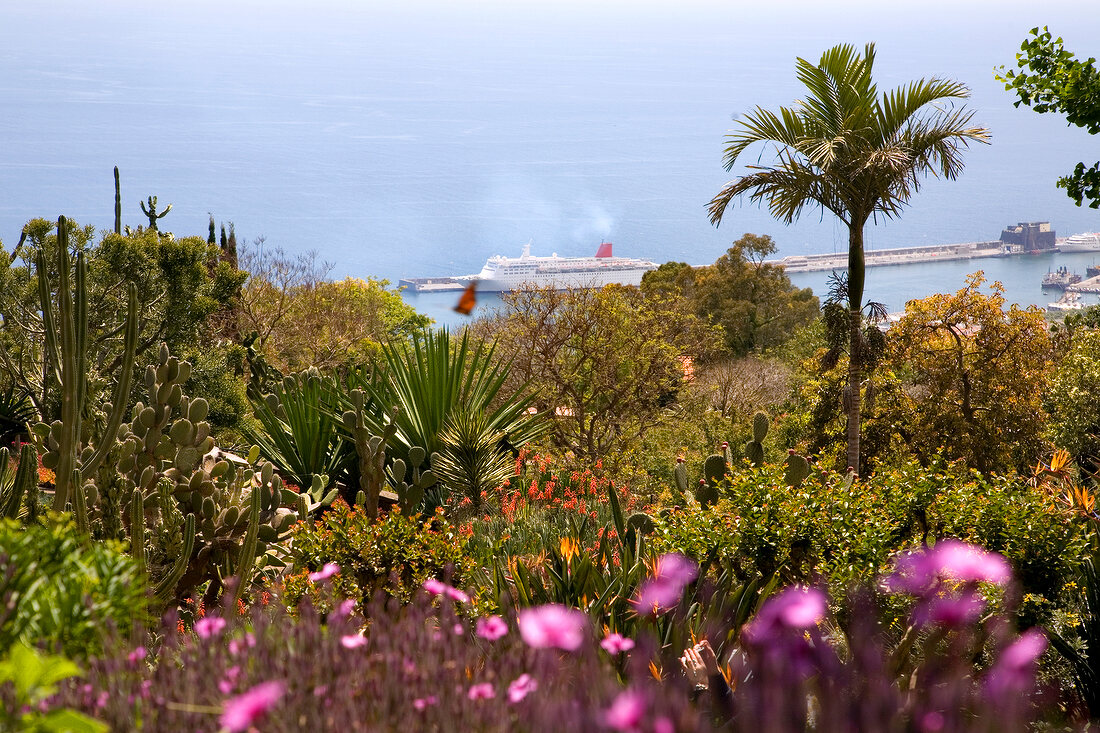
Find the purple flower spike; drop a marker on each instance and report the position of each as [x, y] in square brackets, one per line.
[616, 644]
[626, 712]
[491, 628]
[521, 687]
[327, 571]
[553, 626]
[240, 712]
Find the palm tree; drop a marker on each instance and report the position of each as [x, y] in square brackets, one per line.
[848, 150]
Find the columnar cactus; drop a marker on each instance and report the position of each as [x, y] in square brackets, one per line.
[118, 205]
[19, 486]
[151, 212]
[681, 475]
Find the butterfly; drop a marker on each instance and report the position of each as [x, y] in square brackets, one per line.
[468, 299]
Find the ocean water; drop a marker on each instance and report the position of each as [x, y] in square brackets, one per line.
[417, 139]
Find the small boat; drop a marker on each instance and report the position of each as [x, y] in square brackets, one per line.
[1068, 302]
[1086, 242]
[1061, 278]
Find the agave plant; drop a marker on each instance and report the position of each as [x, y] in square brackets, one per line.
[298, 432]
[431, 383]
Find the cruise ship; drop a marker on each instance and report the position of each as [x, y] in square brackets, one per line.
[561, 273]
[1087, 242]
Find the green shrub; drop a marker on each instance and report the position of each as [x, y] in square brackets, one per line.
[851, 531]
[61, 593]
[394, 554]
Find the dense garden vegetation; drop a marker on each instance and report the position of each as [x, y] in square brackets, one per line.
[239, 496]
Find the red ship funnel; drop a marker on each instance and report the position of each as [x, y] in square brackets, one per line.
[604, 250]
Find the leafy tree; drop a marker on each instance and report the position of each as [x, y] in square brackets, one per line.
[302, 319]
[975, 374]
[603, 362]
[1059, 82]
[855, 153]
[180, 283]
[753, 302]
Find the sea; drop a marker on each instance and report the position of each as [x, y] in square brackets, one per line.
[418, 138]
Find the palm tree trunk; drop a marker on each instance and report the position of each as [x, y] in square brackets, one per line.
[856, 272]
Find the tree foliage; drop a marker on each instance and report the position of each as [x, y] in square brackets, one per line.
[753, 302]
[975, 376]
[602, 362]
[1073, 400]
[1051, 79]
[846, 149]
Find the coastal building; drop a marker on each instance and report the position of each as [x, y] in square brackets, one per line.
[1029, 236]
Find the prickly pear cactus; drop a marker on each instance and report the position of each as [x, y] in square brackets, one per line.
[706, 494]
[715, 469]
[796, 471]
[681, 474]
[754, 449]
[410, 482]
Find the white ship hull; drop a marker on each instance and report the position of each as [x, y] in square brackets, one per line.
[504, 274]
[1081, 243]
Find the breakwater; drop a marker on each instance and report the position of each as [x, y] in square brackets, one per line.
[897, 256]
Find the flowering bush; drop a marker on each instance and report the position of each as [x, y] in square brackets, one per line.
[395, 554]
[421, 666]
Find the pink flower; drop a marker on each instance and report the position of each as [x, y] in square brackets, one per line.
[482, 691]
[616, 644]
[353, 641]
[626, 712]
[136, 656]
[491, 628]
[918, 573]
[422, 702]
[458, 629]
[521, 687]
[439, 588]
[792, 608]
[662, 592]
[327, 571]
[240, 712]
[209, 626]
[553, 625]
[1014, 671]
[345, 608]
[238, 645]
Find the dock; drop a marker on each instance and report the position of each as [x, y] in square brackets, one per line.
[895, 256]
[433, 284]
[1092, 285]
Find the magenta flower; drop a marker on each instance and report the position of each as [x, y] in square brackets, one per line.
[616, 644]
[949, 610]
[521, 687]
[626, 712]
[422, 702]
[209, 626]
[327, 571]
[240, 712]
[553, 626]
[792, 608]
[439, 588]
[353, 641]
[238, 645]
[136, 656]
[1014, 671]
[482, 691]
[491, 628]
[662, 592]
[918, 573]
[345, 608]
